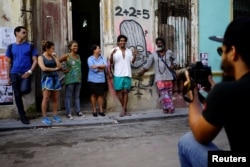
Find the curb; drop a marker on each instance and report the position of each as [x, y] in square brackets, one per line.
[89, 120]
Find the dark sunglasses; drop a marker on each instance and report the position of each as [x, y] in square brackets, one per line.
[219, 50]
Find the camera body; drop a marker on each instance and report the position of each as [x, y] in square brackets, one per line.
[198, 73]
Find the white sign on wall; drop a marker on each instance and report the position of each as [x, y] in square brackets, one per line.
[204, 58]
[7, 37]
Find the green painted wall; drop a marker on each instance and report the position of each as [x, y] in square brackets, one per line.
[214, 16]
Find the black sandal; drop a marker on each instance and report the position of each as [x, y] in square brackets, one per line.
[102, 114]
[95, 114]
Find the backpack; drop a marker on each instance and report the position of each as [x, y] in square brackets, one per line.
[11, 54]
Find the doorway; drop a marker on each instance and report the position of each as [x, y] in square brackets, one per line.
[86, 31]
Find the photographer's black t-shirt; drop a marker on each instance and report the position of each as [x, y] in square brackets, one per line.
[227, 105]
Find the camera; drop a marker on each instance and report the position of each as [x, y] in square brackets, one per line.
[198, 73]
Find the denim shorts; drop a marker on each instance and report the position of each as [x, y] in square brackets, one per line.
[51, 83]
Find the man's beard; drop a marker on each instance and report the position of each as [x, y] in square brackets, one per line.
[159, 48]
[228, 71]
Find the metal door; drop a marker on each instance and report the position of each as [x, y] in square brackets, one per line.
[174, 26]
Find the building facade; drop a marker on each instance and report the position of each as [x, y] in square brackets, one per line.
[185, 24]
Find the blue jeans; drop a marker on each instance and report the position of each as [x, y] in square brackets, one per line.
[72, 90]
[193, 154]
[20, 86]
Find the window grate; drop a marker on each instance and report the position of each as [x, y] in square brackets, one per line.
[174, 26]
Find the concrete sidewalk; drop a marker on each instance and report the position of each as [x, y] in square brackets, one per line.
[88, 120]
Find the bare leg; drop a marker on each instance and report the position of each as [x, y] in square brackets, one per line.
[54, 96]
[93, 102]
[100, 102]
[121, 99]
[125, 102]
[46, 96]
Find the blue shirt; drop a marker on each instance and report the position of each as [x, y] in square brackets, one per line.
[94, 75]
[22, 58]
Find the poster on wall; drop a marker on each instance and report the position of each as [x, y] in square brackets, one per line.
[3, 69]
[7, 37]
[6, 95]
[6, 92]
[204, 58]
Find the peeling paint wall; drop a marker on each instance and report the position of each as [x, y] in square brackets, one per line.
[10, 12]
[194, 30]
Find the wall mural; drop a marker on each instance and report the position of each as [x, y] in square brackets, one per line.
[134, 19]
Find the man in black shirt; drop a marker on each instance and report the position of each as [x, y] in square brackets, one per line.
[226, 104]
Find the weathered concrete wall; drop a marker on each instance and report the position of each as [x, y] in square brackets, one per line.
[136, 20]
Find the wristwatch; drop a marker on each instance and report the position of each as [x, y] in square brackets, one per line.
[29, 71]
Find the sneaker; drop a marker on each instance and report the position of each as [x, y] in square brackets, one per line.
[69, 116]
[25, 120]
[80, 114]
[57, 119]
[46, 121]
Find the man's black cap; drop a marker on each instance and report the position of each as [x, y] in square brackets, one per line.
[216, 38]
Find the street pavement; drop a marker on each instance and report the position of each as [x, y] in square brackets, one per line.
[109, 151]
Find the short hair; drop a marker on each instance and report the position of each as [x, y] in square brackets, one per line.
[93, 47]
[18, 29]
[121, 36]
[160, 39]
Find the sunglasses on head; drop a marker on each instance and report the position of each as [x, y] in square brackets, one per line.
[219, 50]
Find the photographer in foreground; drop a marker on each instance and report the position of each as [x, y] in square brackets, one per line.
[226, 104]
